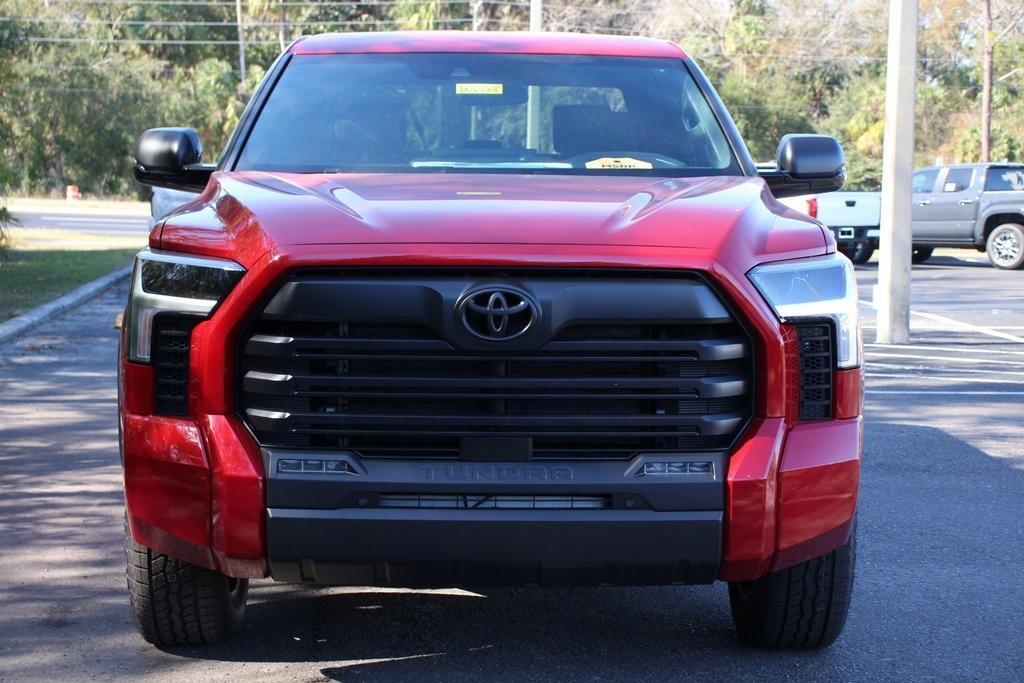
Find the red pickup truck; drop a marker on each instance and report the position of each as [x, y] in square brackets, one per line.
[482, 309]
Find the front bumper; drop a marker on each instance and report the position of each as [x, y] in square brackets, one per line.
[551, 522]
[440, 548]
[199, 491]
[197, 487]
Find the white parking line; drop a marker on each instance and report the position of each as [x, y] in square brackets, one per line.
[941, 378]
[949, 349]
[943, 393]
[974, 328]
[992, 332]
[939, 370]
[950, 359]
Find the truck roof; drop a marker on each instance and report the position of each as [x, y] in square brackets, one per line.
[977, 164]
[495, 42]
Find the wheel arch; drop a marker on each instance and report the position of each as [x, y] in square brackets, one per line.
[993, 220]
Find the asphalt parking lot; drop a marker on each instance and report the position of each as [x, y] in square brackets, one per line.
[938, 590]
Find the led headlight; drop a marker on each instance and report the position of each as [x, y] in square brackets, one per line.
[177, 283]
[816, 288]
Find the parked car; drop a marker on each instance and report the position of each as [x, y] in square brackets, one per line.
[976, 206]
[853, 217]
[487, 309]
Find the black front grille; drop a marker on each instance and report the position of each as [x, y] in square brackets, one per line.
[171, 339]
[414, 388]
[816, 363]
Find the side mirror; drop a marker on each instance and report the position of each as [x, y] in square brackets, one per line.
[806, 164]
[169, 157]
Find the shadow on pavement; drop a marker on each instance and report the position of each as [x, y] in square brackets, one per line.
[938, 589]
[927, 534]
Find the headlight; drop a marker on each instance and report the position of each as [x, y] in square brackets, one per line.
[167, 282]
[815, 288]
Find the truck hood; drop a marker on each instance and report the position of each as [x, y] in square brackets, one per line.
[243, 215]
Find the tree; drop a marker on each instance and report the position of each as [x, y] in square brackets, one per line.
[989, 41]
[9, 37]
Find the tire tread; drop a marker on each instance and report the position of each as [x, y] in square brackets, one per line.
[803, 607]
[175, 603]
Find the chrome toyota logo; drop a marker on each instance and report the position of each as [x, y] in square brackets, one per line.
[497, 313]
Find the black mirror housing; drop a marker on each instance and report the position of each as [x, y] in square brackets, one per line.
[169, 157]
[807, 164]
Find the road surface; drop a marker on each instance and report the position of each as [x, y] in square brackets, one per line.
[938, 590]
[91, 221]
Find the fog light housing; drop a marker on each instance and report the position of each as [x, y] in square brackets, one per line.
[677, 467]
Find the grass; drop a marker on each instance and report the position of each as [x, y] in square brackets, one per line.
[29, 277]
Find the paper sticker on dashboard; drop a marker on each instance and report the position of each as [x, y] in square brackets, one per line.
[479, 89]
[625, 163]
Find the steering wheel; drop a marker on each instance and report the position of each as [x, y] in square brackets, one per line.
[656, 160]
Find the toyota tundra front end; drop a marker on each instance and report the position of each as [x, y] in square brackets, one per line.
[482, 309]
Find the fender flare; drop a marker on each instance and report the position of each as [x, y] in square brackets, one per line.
[1004, 208]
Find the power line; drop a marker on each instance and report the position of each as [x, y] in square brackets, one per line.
[232, 24]
[166, 23]
[291, 3]
[132, 41]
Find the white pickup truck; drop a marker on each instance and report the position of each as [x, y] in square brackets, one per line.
[852, 216]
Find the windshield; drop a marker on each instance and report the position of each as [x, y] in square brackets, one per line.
[487, 113]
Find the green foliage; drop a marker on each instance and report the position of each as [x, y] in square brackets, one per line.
[70, 112]
[31, 277]
[1006, 146]
[78, 119]
[856, 119]
[414, 15]
[763, 112]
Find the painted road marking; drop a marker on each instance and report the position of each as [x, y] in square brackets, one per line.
[950, 349]
[933, 369]
[976, 328]
[909, 392]
[968, 326]
[951, 359]
[942, 378]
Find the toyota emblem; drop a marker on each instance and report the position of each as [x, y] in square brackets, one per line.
[497, 313]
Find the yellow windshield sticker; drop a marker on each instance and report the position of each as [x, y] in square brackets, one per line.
[479, 89]
[619, 163]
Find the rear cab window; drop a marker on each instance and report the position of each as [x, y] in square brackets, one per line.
[1005, 179]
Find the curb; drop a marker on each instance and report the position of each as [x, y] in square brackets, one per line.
[17, 326]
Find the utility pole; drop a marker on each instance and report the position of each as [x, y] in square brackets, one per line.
[536, 15]
[241, 41]
[478, 6]
[892, 298]
[533, 92]
[987, 53]
[988, 48]
[282, 36]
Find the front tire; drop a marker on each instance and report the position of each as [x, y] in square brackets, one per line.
[1005, 246]
[175, 603]
[801, 608]
[921, 254]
